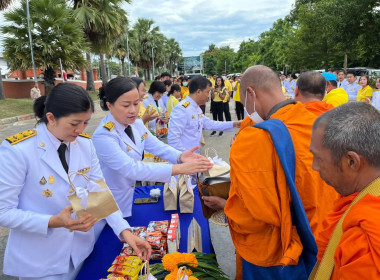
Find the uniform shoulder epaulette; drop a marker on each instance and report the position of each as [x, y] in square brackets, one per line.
[109, 126]
[17, 138]
[85, 135]
[186, 104]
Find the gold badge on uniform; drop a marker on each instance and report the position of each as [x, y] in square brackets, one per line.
[129, 148]
[51, 179]
[47, 193]
[71, 190]
[43, 181]
[193, 116]
[84, 170]
[201, 115]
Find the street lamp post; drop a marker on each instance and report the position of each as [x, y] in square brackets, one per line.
[129, 64]
[153, 63]
[31, 41]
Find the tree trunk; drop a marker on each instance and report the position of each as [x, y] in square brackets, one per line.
[171, 67]
[90, 74]
[103, 69]
[2, 94]
[345, 62]
[49, 79]
[123, 72]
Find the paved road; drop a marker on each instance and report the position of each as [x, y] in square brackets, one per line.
[220, 235]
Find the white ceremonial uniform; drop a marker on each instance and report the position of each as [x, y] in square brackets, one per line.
[33, 187]
[342, 84]
[352, 91]
[120, 159]
[376, 100]
[187, 123]
[150, 100]
[291, 89]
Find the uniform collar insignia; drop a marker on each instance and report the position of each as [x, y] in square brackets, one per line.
[17, 138]
[109, 126]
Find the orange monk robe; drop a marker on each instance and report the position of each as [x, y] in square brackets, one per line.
[358, 253]
[318, 107]
[258, 206]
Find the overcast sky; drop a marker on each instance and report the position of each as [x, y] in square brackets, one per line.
[196, 24]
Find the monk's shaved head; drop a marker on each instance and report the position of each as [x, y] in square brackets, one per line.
[261, 78]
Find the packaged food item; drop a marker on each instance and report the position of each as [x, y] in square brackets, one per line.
[161, 226]
[174, 234]
[127, 261]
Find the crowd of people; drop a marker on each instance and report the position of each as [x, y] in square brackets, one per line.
[304, 162]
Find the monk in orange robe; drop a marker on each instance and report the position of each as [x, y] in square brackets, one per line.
[258, 208]
[310, 90]
[347, 156]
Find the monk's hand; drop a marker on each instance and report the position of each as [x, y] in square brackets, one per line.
[141, 247]
[237, 124]
[190, 155]
[214, 202]
[64, 219]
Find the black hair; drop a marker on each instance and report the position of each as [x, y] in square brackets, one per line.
[333, 83]
[352, 72]
[312, 83]
[166, 74]
[167, 83]
[224, 73]
[199, 82]
[137, 81]
[181, 80]
[157, 86]
[181, 73]
[222, 85]
[157, 78]
[64, 99]
[293, 75]
[174, 88]
[112, 90]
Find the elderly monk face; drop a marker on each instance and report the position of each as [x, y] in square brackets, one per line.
[336, 176]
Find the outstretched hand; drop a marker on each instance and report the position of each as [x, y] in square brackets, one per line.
[141, 247]
[190, 155]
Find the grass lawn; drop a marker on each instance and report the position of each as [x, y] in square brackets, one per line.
[15, 107]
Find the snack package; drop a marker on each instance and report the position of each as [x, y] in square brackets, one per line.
[160, 226]
[174, 234]
[127, 261]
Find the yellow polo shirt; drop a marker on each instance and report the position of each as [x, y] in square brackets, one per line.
[336, 97]
[172, 102]
[237, 94]
[364, 93]
[184, 92]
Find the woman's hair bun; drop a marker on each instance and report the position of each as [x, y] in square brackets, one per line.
[103, 99]
[39, 106]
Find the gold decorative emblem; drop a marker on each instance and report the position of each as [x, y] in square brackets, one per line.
[193, 116]
[43, 181]
[85, 135]
[109, 126]
[75, 142]
[71, 190]
[19, 137]
[201, 115]
[186, 104]
[51, 179]
[84, 170]
[129, 148]
[47, 193]
[42, 144]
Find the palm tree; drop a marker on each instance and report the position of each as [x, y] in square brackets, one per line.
[143, 38]
[103, 22]
[4, 4]
[173, 52]
[55, 34]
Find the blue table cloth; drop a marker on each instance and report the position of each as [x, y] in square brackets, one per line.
[109, 246]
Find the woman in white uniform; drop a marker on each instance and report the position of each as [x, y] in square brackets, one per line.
[155, 93]
[120, 141]
[46, 241]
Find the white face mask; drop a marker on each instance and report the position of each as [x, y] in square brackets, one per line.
[224, 78]
[254, 116]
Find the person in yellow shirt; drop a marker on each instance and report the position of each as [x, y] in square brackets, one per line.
[218, 95]
[184, 88]
[239, 108]
[174, 97]
[145, 116]
[226, 100]
[212, 79]
[335, 96]
[366, 92]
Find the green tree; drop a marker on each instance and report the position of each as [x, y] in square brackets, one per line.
[225, 60]
[173, 52]
[144, 37]
[103, 22]
[55, 34]
[4, 4]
